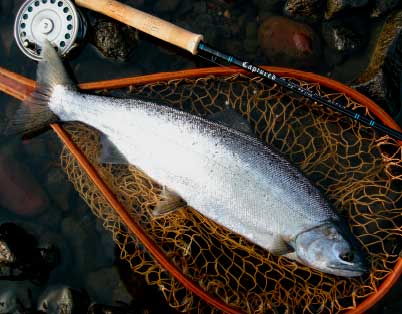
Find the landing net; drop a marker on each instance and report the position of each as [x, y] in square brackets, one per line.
[359, 171]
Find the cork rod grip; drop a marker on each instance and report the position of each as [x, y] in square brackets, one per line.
[145, 22]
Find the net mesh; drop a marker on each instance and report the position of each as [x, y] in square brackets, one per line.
[359, 171]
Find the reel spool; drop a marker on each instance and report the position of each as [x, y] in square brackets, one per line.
[58, 21]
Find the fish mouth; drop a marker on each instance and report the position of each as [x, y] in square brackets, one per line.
[352, 270]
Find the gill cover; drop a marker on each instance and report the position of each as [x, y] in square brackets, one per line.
[329, 248]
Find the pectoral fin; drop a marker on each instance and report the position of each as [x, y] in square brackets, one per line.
[110, 154]
[170, 201]
[280, 247]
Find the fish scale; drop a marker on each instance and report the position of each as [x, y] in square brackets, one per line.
[215, 169]
[228, 176]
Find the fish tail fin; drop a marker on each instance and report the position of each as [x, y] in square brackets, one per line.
[35, 114]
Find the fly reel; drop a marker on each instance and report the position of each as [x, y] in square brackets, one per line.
[58, 21]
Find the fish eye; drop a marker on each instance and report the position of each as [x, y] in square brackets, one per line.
[347, 256]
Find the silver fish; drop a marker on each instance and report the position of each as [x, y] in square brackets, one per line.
[227, 175]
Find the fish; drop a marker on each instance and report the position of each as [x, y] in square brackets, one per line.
[229, 176]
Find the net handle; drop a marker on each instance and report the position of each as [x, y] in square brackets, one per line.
[145, 22]
[20, 87]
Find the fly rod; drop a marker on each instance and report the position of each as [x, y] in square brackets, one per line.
[193, 43]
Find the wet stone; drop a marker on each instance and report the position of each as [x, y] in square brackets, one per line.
[382, 7]
[110, 309]
[59, 188]
[6, 7]
[382, 78]
[21, 257]
[289, 43]
[309, 11]
[164, 6]
[336, 6]
[63, 300]
[20, 192]
[81, 234]
[106, 277]
[341, 38]
[114, 40]
[268, 8]
[6, 255]
[375, 89]
[17, 297]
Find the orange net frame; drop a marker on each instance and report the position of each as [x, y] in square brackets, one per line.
[359, 170]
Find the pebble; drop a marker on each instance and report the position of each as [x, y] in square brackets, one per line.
[289, 43]
[6, 7]
[383, 7]
[63, 300]
[7, 42]
[106, 277]
[20, 192]
[268, 8]
[336, 6]
[59, 188]
[164, 6]
[341, 38]
[381, 78]
[16, 297]
[81, 234]
[26, 260]
[36, 148]
[309, 11]
[110, 309]
[114, 40]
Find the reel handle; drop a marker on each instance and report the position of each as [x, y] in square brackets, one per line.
[145, 22]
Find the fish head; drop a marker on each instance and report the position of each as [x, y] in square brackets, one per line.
[330, 249]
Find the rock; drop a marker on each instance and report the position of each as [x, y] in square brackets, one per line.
[309, 11]
[36, 147]
[336, 6]
[7, 40]
[164, 6]
[341, 38]
[109, 309]
[16, 297]
[146, 299]
[81, 234]
[59, 188]
[380, 81]
[98, 280]
[393, 74]
[113, 39]
[268, 8]
[51, 218]
[63, 300]
[19, 191]
[21, 258]
[251, 40]
[375, 89]
[106, 243]
[6, 7]
[383, 7]
[288, 43]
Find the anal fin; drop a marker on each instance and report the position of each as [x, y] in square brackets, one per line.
[169, 202]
